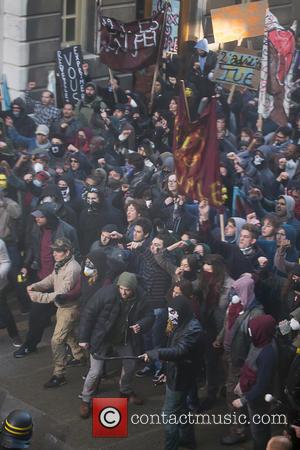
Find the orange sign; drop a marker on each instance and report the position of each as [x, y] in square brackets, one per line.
[233, 23]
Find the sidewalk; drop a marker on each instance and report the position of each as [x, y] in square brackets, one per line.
[55, 412]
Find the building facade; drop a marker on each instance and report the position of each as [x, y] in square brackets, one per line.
[32, 30]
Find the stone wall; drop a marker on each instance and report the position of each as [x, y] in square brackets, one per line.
[32, 34]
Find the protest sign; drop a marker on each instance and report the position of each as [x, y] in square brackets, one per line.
[238, 67]
[237, 22]
[172, 23]
[70, 72]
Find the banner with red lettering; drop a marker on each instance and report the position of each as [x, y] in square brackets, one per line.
[130, 46]
[196, 154]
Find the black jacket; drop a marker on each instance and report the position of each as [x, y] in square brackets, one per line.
[33, 237]
[101, 313]
[182, 355]
[92, 221]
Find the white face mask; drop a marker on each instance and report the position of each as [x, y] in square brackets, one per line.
[38, 167]
[47, 199]
[133, 104]
[235, 299]
[88, 272]
[37, 183]
[148, 203]
[294, 324]
[173, 316]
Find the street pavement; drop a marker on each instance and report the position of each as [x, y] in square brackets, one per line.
[56, 411]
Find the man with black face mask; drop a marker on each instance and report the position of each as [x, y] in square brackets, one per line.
[86, 107]
[94, 216]
[24, 124]
[263, 175]
[181, 354]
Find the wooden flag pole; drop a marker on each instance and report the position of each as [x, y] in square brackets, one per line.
[111, 77]
[156, 70]
[222, 227]
[231, 94]
[185, 100]
[259, 123]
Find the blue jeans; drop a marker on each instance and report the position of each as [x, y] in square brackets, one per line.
[156, 337]
[176, 434]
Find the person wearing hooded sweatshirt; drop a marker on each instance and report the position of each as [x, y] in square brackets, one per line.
[180, 359]
[52, 194]
[94, 216]
[292, 381]
[41, 234]
[284, 208]
[256, 377]
[115, 317]
[235, 341]
[93, 274]
[264, 176]
[24, 124]
[203, 64]
[233, 229]
[286, 255]
[86, 107]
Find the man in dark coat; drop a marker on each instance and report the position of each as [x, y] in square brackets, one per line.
[24, 124]
[45, 229]
[181, 354]
[115, 317]
[94, 216]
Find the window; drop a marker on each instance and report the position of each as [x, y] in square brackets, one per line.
[72, 22]
[79, 23]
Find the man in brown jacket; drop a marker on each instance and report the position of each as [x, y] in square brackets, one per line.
[54, 288]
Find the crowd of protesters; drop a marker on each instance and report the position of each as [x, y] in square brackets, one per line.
[94, 230]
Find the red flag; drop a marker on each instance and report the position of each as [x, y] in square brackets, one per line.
[131, 46]
[196, 154]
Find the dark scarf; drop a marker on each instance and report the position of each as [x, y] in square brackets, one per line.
[60, 264]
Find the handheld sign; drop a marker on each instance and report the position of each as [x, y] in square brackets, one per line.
[70, 72]
[237, 22]
[238, 67]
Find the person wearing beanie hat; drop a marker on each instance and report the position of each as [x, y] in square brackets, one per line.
[39, 143]
[127, 280]
[185, 334]
[114, 318]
